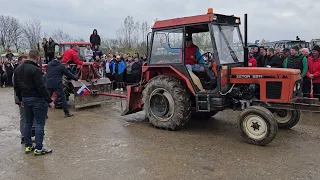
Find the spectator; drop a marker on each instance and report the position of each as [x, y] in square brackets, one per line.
[19, 103]
[45, 49]
[263, 57]
[285, 54]
[257, 57]
[8, 68]
[96, 52]
[297, 61]
[2, 75]
[144, 58]
[273, 60]
[118, 70]
[95, 38]
[129, 78]
[278, 51]
[30, 89]
[54, 72]
[305, 52]
[9, 55]
[88, 53]
[51, 49]
[107, 67]
[136, 70]
[313, 73]
[252, 62]
[125, 57]
[15, 64]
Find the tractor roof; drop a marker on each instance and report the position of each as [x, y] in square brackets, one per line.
[205, 18]
[75, 43]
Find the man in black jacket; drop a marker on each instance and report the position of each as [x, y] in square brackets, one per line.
[136, 69]
[95, 38]
[30, 89]
[55, 71]
[273, 60]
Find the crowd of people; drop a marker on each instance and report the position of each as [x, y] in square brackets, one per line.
[294, 58]
[122, 68]
[7, 67]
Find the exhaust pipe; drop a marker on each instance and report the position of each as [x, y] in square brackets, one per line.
[246, 51]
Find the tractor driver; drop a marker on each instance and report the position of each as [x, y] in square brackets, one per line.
[192, 55]
[71, 56]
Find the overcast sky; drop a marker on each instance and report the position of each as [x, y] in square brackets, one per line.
[269, 19]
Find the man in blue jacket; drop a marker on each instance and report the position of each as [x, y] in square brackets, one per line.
[118, 70]
[54, 73]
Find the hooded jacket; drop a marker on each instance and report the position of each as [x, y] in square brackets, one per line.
[54, 72]
[95, 38]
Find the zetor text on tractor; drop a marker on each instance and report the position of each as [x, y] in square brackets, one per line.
[170, 94]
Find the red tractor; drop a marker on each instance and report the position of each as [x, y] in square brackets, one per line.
[170, 92]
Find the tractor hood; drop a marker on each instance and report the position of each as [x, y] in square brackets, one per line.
[264, 71]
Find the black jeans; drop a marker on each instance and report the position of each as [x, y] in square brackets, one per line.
[50, 56]
[119, 80]
[60, 94]
[35, 109]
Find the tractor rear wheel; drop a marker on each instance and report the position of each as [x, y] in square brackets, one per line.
[287, 119]
[258, 125]
[166, 102]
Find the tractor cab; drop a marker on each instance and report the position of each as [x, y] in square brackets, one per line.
[200, 47]
[68, 45]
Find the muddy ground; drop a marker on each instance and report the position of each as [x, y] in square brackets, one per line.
[98, 143]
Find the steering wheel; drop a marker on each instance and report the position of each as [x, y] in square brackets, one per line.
[210, 54]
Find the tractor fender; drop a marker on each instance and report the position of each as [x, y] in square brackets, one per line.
[150, 72]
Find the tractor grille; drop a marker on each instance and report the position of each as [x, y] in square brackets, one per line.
[273, 90]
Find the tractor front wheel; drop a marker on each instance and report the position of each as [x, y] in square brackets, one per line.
[258, 125]
[287, 119]
[166, 103]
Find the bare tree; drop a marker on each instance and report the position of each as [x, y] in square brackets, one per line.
[145, 30]
[60, 36]
[32, 32]
[127, 31]
[17, 38]
[7, 25]
[136, 33]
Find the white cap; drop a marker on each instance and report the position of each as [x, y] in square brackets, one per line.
[118, 57]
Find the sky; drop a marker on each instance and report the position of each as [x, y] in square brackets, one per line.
[268, 19]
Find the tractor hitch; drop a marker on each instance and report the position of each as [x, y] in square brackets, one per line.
[302, 104]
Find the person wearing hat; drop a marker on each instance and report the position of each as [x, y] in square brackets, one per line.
[192, 57]
[313, 73]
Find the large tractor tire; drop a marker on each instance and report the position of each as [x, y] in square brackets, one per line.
[287, 119]
[258, 125]
[167, 103]
[203, 115]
